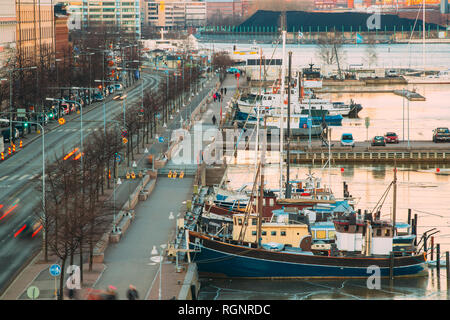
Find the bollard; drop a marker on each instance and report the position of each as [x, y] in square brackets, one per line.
[20, 144]
[9, 150]
[3, 156]
[438, 259]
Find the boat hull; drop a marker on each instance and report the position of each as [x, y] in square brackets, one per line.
[219, 259]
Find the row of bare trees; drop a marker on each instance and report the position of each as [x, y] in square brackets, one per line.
[28, 83]
[77, 212]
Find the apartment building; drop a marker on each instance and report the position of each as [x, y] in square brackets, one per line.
[125, 14]
[34, 30]
[7, 30]
[177, 14]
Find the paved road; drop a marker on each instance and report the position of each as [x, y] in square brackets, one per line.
[17, 194]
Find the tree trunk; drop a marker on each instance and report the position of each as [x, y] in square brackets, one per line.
[61, 278]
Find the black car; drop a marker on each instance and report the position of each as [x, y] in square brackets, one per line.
[378, 141]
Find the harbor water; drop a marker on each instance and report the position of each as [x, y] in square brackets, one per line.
[419, 188]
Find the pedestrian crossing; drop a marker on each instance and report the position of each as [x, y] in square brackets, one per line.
[17, 177]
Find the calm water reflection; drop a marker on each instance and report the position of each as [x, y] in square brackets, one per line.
[420, 188]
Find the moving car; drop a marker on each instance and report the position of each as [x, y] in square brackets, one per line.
[378, 141]
[391, 137]
[441, 134]
[347, 140]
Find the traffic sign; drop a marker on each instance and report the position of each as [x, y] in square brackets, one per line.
[124, 140]
[61, 121]
[124, 133]
[33, 292]
[55, 270]
[161, 139]
[367, 120]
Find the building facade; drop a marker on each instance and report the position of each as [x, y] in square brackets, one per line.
[124, 14]
[7, 30]
[168, 14]
[34, 30]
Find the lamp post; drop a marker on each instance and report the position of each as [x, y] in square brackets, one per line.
[104, 105]
[10, 99]
[81, 121]
[163, 246]
[43, 175]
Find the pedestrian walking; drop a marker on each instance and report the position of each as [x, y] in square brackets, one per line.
[219, 96]
[214, 120]
[110, 293]
[225, 90]
[214, 97]
[132, 293]
[221, 91]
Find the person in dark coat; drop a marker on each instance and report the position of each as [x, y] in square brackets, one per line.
[221, 91]
[225, 90]
[132, 293]
[214, 120]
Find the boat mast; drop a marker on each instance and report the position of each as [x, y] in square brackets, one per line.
[394, 201]
[283, 74]
[257, 110]
[288, 159]
[423, 36]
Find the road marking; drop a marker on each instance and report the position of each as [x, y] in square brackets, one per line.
[3, 178]
[24, 176]
[14, 177]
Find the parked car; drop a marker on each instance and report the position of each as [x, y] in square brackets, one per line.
[5, 134]
[347, 140]
[441, 134]
[378, 141]
[391, 137]
[391, 73]
[118, 87]
[98, 96]
[233, 70]
[111, 89]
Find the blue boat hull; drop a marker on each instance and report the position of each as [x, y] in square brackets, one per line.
[218, 263]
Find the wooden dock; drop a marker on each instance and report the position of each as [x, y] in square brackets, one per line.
[415, 156]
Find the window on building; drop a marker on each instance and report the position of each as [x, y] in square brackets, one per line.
[264, 233]
[387, 232]
[273, 233]
[240, 221]
[379, 232]
[253, 233]
[254, 222]
[283, 233]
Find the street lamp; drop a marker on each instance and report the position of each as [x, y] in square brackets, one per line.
[81, 120]
[10, 98]
[104, 104]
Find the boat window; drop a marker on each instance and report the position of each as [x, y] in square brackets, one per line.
[321, 234]
[346, 227]
[378, 232]
[273, 233]
[331, 234]
[283, 233]
[271, 202]
[387, 232]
